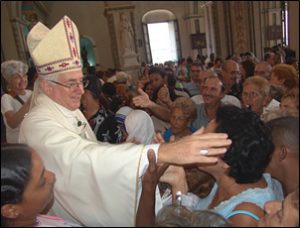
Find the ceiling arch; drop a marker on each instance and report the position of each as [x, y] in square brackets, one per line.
[156, 16]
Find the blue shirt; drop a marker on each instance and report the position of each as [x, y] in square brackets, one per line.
[202, 118]
[257, 196]
[168, 133]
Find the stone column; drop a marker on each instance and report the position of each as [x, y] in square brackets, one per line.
[123, 39]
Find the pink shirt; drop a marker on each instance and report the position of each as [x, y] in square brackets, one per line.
[52, 221]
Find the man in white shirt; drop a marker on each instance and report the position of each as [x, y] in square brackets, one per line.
[97, 184]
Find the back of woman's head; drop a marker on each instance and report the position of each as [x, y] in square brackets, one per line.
[15, 173]
[139, 127]
[288, 74]
[109, 89]
[251, 148]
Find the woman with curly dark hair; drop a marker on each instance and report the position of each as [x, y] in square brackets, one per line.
[241, 187]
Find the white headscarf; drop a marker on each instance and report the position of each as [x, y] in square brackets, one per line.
[139, 127]
[122, 113]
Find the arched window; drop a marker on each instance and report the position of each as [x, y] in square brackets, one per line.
[87, 51]
[161, 36]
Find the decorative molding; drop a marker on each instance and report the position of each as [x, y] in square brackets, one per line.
[215, 18]
[113, 36]
[17, 26]
[108, 9]
[112, 13]
[239, 25]
[192, 16]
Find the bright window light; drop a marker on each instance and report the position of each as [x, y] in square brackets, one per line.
[162, 42]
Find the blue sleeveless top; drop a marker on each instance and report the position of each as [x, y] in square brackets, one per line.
[168, 133]
[257, 196]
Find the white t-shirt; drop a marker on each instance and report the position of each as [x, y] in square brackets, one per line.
[8, 103]
[273, 105]
[227, 100]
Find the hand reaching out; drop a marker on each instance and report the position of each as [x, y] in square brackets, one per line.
[163, 95]
[142, 100]
[187, 150]
[153, 173]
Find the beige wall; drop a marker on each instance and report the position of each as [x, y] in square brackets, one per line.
[91, 22]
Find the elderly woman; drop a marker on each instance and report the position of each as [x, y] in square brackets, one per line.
[16, 101]
[241, 187]
[256, 94]
[183, 113]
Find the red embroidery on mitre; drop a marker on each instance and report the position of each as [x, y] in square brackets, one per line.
[74, 52]
[70, 62]
[63, 64]
[68, 22]
[49, 68]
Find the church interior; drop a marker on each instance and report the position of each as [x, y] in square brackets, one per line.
[149, 113]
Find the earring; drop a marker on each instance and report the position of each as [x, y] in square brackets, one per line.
[8, 88]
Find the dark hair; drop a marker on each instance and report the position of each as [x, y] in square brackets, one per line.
[109, 89]
[93, 84]
[252, 146]
[146, 85]
[249, 67]
[267, 55]
[16, 167]
[189, 60]
[157, 70]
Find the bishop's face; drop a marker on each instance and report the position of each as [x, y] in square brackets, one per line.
[68, 89]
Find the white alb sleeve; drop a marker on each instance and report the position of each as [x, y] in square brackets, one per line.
[144, 159]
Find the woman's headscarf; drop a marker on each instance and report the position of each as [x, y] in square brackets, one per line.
[139, 127]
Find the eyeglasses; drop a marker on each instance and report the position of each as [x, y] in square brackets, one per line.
[70, 85]
[251, 94]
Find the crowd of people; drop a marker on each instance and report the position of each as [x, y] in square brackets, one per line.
[195, 143]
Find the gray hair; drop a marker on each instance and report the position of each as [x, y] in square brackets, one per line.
[207, 218]
[187, 106]
[173, 216]
[275, 114]
[179, 216]
[262, 84]
[53, 77]
[12, 67]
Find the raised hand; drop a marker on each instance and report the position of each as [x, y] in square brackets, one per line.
[188, 150]
[142, 100]
[163, 95]
[146, 211]
[153, 173]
